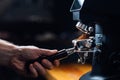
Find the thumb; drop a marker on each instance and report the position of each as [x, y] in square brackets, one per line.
[47, 52]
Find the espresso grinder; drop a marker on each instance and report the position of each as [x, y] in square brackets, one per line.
[98, 20]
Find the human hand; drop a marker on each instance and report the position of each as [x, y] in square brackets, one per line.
[24, 54]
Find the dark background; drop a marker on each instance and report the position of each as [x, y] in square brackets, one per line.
[26, 22]
[43, 23]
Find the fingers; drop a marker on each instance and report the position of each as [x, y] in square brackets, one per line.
[40, 69]
[47, 64]
[47, 52]
[37, 69]
[56, 63]
[33, 71]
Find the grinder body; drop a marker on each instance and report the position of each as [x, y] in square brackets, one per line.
[105, 14]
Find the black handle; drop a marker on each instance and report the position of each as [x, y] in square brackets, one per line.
[60, 55]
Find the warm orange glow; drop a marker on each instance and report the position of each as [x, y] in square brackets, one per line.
[68, 72]
[83, 36]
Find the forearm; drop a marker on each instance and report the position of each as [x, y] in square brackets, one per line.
[7, 50]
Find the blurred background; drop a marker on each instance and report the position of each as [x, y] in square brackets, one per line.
[43, 23]
[37, 22]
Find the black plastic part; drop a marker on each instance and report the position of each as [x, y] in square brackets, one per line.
[60, 55]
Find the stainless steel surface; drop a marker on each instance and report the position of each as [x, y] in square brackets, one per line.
[84, 28]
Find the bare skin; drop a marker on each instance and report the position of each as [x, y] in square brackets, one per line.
[16, 57]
